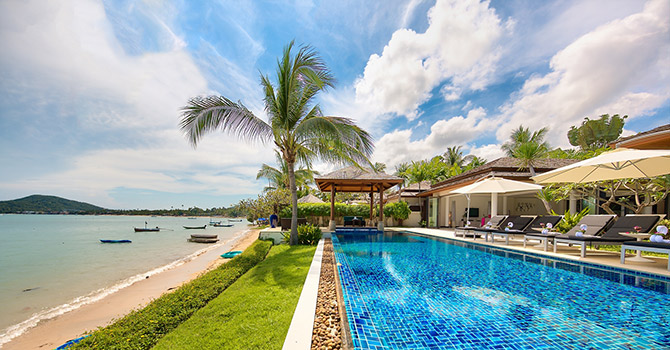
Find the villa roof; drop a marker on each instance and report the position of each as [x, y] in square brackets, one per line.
[657, 138]
[355, 179]
[310, 198]
[505, 167]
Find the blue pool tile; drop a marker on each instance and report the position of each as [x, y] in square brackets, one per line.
[411, 292]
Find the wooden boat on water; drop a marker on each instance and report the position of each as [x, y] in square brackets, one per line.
[212, 223]
[147, 229]
[196, 227]
[235, 220]
[116, 241]
[200, 238]
[223, 225]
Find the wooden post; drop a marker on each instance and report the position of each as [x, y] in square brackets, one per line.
[331, 224]
[372, 203]
[380, 225]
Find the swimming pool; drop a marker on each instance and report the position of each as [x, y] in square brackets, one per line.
[406, 291]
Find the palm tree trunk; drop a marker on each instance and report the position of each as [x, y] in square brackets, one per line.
[294, 205]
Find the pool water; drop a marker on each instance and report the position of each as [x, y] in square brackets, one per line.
[405, 291]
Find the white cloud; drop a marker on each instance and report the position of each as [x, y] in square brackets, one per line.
[488, 152]
[605, 68]
[459, 45]
[397, 147]
[66, 56]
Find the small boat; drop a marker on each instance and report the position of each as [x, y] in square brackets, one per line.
[212, 223]
[147, 229]
[223, 225]
[235, 220]
[231, 254]
[192, 218]
[116, 241]
[196, 227]
[204, 236]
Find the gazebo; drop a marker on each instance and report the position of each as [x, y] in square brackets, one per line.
[355, 179]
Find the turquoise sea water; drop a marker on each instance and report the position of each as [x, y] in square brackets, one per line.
[52, 263]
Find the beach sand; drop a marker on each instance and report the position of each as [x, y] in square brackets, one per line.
[52, 333]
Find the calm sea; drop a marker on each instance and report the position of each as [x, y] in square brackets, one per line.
[50, 264]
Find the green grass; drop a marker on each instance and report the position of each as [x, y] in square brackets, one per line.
[253, 313]
[141, 329]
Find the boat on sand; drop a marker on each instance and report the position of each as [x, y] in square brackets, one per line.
[200, 238]
[196, 227]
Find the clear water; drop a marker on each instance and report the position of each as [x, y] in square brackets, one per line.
[52, 263]
[404, 291]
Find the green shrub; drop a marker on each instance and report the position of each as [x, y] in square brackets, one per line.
[569, 221]
[323, 209]
[397, 210]
[308, 234]
[141, 329]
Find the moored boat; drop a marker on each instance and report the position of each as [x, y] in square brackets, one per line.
[116, 241]
[147, 229]
[201, 238]
[196, 227]
[223, 225]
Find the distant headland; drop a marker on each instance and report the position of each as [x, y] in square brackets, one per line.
[42, 204]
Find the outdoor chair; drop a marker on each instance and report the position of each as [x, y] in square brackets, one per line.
[467, 231]
[596, 225]
[286, 223]
[655, 247]
[487, 229]
[534, 230]
[611, 236]
[519, 226]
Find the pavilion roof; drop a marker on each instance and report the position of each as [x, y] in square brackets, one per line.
[355, 179]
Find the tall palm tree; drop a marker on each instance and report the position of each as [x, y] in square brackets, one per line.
[296, 126]
[278, 178]
[527, 147]
[454, 156]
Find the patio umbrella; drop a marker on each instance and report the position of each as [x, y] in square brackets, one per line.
[621, 163]
[495, 185]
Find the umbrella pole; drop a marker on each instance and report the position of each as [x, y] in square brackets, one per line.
[468, 212]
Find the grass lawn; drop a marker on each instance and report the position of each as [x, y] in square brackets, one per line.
[617, 248]
[254, 312]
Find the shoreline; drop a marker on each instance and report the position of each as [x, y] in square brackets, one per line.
[53, 332]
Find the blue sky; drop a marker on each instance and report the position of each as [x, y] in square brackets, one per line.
[91, 90]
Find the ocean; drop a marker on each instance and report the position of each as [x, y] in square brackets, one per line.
[50, 264]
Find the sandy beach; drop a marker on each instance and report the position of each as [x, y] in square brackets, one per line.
[52, 333]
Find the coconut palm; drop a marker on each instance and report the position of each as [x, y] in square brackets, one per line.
[454, 156]
[278, 178]
[379, 167]
[527, 147]
[296, 126]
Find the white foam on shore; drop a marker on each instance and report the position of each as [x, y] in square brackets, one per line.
[16, 330]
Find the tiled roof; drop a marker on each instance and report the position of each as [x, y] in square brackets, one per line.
[663, 129]
[354, 173]
[506, 167]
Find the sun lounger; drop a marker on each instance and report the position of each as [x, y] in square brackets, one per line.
[534, 230]
[487, 229]
[468, 231]
[645, 246]
[606, 234]
[519, 225]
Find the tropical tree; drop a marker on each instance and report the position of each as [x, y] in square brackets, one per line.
[527, 147]
[379, 167]
[454, 156]
[296, 126]
[597, 133]
[278, 178]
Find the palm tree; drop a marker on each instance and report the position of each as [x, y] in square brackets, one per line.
[527, 146]
[454, 156]
[379, 167]
[296, 126]
[278, 178]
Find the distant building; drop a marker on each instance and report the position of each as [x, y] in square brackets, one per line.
[446, 209]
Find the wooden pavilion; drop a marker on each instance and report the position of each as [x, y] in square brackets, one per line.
[355, 179]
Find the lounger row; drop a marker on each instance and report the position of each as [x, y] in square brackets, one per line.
[600, 230]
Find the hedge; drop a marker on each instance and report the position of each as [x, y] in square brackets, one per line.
[323, 209]
[141, 329]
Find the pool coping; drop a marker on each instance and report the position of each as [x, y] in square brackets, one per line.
[299, 334]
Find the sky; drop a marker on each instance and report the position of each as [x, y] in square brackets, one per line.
[91, 91]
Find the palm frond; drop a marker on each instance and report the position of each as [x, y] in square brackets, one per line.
[206, 114]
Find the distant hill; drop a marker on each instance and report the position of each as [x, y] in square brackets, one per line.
[46, 204]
